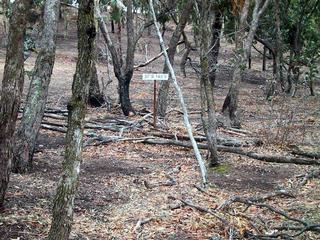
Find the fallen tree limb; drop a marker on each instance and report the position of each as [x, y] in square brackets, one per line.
[301, 152]
[140, 223]
[254, 199]
[315, 173]
[257, 156]
[230, 142]
[158, 141]
[202, 209]
[270, 158]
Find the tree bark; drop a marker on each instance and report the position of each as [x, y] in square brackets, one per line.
[5, 8]
[64, 199]
[185, 56]
[96, 98]
[163, 95]
[12, 87]
[243, 49]
[208, 115]
[27, 133]
[123, 72]
[180, 96]
[215, 45]
[278, 45]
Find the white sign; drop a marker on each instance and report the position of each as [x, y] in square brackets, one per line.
[155, 76]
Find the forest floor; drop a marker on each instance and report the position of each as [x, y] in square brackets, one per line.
[131, 190]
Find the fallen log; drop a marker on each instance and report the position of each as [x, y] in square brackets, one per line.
[229, 142]
[306, 153]
[151, 140]
[257, 156]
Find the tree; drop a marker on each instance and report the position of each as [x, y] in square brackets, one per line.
[5, 14]
[123, 71]
[215, 44]
[64, 199]
[243, 50]
[181, 99]
[165, 85]
[12, 86]
[96, 97]
[26, 135]
[208, 116]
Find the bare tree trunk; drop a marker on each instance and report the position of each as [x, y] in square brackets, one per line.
[96, 97]
[64, 199]
[208, 115]
[123, 72]
[278, 48]
[244, 45]
[12, 87]
[264, 58]
[185, 56]
[27, 133]
[5, 8]
[215, 46]
[231, 100]
[183, 105]
[163, 95]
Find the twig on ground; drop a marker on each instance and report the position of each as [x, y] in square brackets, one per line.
[255, 199]
[202, 209]
[315, 173]
[140, 223]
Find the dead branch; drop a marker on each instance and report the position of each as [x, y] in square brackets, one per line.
[270, 158]
[140, 223]
[255, 199]
[301, 152]
[202, 209]
[153, 59]
[257, 156]
[54, 128]
[315, 173]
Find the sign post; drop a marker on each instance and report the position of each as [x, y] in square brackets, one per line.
[155, 77]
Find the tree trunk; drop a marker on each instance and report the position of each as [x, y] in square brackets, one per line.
[64, 199]
[264, 58]
[185, 56]
[5, 8]
[163, 95]
[215, 45]
[96, 98]
[278, 44]
[123, 72]
[208, 115]
[231, 100]
[124, 94]
[112, 26]
[12, 87]
[243, 50]
[180, 96]
[27, 133]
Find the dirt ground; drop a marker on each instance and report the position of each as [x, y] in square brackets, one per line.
[115, 200]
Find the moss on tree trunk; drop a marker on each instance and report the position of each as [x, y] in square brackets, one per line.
[64, 200]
